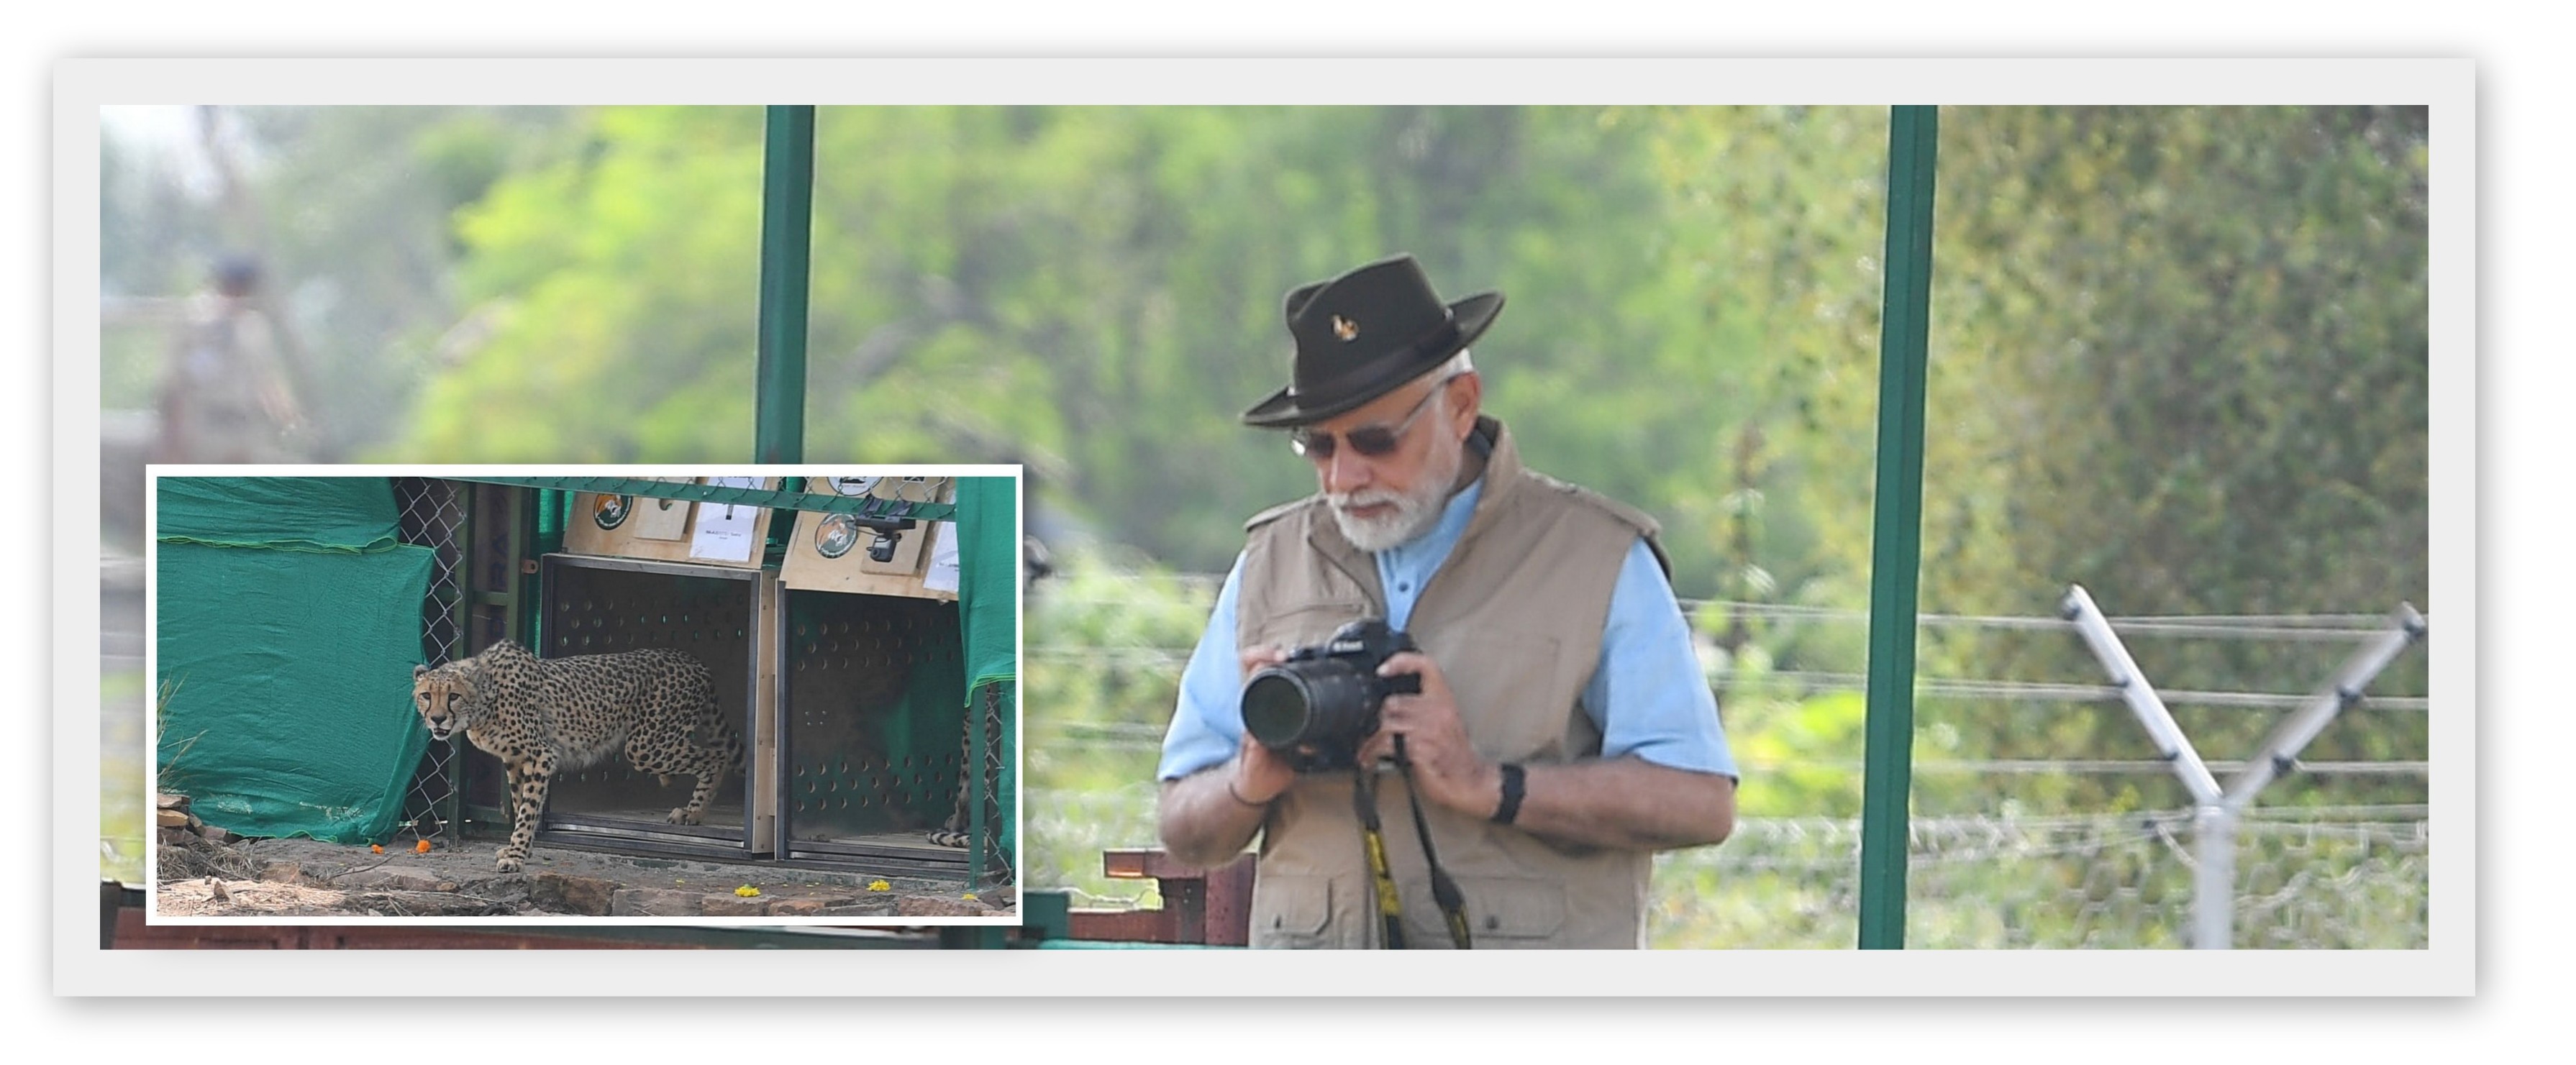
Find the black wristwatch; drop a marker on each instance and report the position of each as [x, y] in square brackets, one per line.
[1513, 782]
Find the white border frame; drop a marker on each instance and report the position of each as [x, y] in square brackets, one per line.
[2446, 86]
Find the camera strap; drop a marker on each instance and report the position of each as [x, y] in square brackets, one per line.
[1390, 906]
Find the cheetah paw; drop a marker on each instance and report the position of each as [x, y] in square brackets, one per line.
[684, 816]
[507, 864]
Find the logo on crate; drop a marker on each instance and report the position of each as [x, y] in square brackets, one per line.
[835, 535]
[611, 511]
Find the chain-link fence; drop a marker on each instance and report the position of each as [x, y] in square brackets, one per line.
[433, 515]
[994, 706]
[2351, 878]
[2068, 835]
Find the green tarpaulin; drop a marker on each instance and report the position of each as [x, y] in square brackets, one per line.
[287, 622]
[338, 514]
[988, 600]
[988, 587]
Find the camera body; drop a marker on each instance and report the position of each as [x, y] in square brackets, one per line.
[1317, 707]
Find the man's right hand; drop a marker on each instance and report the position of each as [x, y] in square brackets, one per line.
[1259, 775]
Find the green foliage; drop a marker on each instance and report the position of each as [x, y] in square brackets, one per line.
[2179, 356]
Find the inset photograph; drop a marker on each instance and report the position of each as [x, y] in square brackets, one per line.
[583, 694]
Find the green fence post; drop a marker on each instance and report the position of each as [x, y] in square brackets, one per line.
[786, 246]
[1913, 134]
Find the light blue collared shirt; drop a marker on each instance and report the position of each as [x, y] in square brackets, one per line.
[1664, 712]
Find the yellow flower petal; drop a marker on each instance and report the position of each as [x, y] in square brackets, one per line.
[969, 896]
[879, 885]
[746, 891]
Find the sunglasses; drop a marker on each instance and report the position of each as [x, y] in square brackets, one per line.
[1374, 441]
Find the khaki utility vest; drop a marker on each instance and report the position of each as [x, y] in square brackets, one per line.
[1514, 619]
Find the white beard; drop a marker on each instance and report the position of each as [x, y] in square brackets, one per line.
[1414, 512]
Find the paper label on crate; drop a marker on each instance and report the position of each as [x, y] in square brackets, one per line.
[943, 560]
[726, 530]
[661, 519]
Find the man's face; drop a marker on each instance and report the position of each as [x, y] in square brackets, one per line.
[1384, 500]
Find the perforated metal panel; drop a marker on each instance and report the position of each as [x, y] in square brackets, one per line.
[604, 606]
[875, 701]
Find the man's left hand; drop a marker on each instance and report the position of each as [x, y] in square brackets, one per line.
[1446, 767]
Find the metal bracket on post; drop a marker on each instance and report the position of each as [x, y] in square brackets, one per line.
[2141, 696]
[2280, 750]
[2212, 825]
[2217, 811]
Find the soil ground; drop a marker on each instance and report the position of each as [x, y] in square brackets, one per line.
[303, 877]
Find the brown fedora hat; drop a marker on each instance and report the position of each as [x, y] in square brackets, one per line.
[1362, 334]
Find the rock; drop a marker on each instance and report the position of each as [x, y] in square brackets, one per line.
[800, 907]
[927, 906]
[564, 893]
[171, 818]
[394, 880]
[732, 906]
[654, 902]
[878, 907]
[282, 872]
[176, 837]
[167, 801]
[218, 835]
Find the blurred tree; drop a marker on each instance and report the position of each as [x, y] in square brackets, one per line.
[2181, 358]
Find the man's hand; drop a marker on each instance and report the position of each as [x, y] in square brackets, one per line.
[1624, 802]
[1208, 817]
[1446, 767]
[1258, 775]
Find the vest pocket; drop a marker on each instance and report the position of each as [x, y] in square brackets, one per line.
[1501, 912]
[1507, 685]
[1305, 625]
[1291, 911]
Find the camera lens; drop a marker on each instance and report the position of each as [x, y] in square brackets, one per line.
[1320, 702]
[1276, 708]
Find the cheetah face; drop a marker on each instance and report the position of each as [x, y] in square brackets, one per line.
[444, 698]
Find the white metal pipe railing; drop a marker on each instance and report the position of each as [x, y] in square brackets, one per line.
[2176, 748]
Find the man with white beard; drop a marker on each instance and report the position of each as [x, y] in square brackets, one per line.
[1562, 732]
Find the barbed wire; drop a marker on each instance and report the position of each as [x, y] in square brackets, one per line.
[1138, 737]
[2310, 627]
[1924, 687]
[2295, 627]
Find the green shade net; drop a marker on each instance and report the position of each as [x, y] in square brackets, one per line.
[988, 602]
[295, 513]
[988, 578]
[287, 623]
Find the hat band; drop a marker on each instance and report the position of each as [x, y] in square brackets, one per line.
[1368, 373]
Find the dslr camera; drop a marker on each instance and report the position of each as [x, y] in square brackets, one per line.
[1319, 705]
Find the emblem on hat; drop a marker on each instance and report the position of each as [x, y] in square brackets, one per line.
[1338, 366]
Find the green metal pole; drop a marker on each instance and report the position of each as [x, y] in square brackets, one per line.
[786, 246]
[1896, 548]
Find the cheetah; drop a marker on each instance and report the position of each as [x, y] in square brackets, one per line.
[541, 717]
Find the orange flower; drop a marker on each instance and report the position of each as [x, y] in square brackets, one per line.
[422, 847]
[378, 848]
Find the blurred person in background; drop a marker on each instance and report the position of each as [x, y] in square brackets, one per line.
[224, 394]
